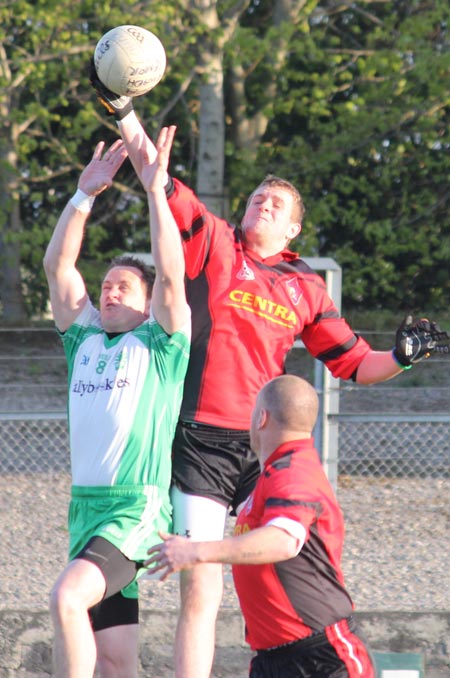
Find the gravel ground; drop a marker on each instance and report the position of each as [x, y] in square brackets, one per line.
[395, 556]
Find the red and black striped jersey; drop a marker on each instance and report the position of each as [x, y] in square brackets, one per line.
[289, 600]
[246, 314]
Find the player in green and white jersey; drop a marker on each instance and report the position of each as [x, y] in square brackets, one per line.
[126, 367]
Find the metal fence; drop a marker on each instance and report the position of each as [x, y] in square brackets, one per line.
[382, 430]
[394, 446]
[34, 443]
[369, 445]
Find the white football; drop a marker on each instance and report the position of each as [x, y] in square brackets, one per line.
[130, 60]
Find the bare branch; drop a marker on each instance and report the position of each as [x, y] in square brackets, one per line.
[177, 96]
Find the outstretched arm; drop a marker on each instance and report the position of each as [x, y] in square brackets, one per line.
[414, 341]
[138, 144]
[377, 366]
[67, 289]
[169, 303]
[268, 544]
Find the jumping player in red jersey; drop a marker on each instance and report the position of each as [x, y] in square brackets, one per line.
[250, 297]
[286, 552]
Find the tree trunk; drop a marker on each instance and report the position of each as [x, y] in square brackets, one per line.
[248, 131]
[11, 295]
[211, 159]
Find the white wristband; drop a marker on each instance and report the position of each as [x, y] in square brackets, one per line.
[81, 201]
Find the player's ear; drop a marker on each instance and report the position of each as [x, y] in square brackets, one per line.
[262, 418]
[294, 229]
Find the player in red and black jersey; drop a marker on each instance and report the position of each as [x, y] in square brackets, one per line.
[251, 297]
[286, 552]
[245, 292]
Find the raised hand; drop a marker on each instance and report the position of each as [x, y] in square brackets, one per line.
[154, 174]
[98, 175]
[114, 104]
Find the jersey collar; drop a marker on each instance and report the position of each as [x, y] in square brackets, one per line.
[284, 255]
[290, 446]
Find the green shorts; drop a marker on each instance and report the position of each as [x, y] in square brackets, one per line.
[127, 516]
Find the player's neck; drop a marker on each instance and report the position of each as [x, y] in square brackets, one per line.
[264, 251]
[274, 441]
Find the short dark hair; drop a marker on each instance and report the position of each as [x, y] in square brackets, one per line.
[292, 402]
[298, 207]
[148, 272]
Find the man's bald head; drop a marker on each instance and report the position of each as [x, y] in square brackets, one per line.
[292, 402]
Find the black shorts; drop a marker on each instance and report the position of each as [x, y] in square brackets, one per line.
[317, 657]
[214, 462]
[115, 609]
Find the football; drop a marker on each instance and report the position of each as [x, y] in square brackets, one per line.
[130, 60]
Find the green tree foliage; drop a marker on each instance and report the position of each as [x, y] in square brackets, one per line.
[49, 125]
[350, 101]
[361, 125]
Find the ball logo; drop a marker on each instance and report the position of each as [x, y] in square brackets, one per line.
[103, 47]
[136, 34]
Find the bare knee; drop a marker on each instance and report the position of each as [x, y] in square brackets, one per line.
[64, 601]
[80, 586]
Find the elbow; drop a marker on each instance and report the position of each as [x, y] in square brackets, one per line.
[289, 548]
[364, 373]
[292, 550]
[50, 268]
[48, 265]
[363, 380]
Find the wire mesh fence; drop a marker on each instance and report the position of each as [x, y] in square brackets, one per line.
[394, 446]
[369, 445]
[34, 444]
[384, 430]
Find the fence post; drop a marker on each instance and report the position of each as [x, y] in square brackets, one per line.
[327, 429]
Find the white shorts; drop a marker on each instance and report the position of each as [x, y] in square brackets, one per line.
[200, 518]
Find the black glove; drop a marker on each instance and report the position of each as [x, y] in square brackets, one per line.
[116, 105]
[417, 340]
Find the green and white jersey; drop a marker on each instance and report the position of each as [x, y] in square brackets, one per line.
[123, 401]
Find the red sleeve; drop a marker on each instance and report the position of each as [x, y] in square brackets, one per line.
[201, 231]
[326, 335]
[334, 342]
